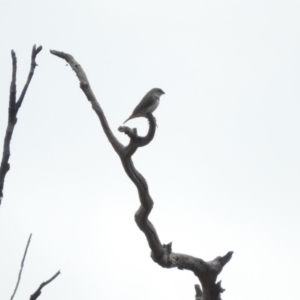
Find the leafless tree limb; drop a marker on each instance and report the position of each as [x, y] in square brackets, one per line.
[38, 292]
[14, 106]
[21, 269]
[162, 254]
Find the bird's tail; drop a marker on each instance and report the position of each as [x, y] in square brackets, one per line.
[131, 117]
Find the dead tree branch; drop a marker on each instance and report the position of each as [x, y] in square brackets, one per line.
[162, 254]
[14, 106]
[21, 269]
[38, 292]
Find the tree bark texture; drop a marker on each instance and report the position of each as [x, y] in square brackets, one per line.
[162, 254]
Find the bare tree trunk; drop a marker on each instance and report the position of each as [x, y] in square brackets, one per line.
[162, 254]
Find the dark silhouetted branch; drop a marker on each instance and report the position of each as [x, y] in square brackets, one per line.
[162, 254]
[198, 292]
[38, 292]
[14, 106]
[21, 268]
[86, 88]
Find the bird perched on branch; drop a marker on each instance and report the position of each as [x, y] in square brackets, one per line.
[148, 104]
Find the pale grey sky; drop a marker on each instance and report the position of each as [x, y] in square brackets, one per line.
[223, 169]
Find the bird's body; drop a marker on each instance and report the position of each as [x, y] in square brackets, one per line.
[148, 104]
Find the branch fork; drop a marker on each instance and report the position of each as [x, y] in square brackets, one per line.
[14, 106]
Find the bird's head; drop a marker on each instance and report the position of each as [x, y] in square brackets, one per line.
[158, 92]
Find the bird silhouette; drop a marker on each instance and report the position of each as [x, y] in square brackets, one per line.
[148, 104]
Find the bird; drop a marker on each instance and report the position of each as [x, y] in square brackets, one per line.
[148, 104]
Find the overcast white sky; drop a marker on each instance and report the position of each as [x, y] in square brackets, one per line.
[223, 169]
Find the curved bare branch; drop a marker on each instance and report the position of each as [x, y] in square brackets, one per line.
[162, 254]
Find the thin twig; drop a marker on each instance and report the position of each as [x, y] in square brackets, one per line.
[35, 52]
[21, 269]
[38, 292]
[13, 111]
